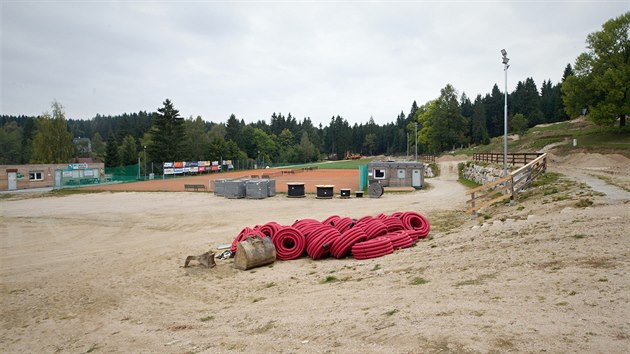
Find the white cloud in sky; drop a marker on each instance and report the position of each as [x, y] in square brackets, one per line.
[310, 58]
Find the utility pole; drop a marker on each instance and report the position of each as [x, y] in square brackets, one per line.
[416, 141]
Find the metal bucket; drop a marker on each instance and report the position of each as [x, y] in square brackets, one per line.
[254, 252]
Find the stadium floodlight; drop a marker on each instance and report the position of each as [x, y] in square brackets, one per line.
[505, 129]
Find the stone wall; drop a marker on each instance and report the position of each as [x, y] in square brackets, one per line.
[482, 174]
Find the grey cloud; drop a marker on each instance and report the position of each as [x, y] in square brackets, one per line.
[312, 59]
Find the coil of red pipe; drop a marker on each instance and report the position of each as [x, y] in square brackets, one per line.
[269, 229]
[373, 248]
[319, 243]
[340, 235]
[400, 239]
[415, 221]
[346, 240]
[289, 243]
[393, 223]
[373, 228]
[344, 224]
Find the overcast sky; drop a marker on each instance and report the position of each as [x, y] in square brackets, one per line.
[312, 58]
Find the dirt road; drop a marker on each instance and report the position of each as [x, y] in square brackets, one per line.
[101, 273]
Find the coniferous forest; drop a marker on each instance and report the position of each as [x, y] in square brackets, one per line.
[449, 121]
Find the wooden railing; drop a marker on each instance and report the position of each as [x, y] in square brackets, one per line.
[513, 159]
[427, 158]
[506, 187]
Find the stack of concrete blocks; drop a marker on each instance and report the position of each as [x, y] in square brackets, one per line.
[234, 189]
[219, 187]
[245, 188]
[256, 189]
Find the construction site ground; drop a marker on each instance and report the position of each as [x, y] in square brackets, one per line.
[100, 272]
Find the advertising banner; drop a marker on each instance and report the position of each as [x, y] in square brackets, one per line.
[215, 168]
[67, 174]
[201, 168]
[194, 169]
[186, 169]
[77, 166]
[178, 164]
[169, 171]
[178, 171]
[190, 164]
[88, 173]
[215, 163]
[168, 165]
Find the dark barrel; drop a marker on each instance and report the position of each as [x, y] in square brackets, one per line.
[295, 190]
[325, 191]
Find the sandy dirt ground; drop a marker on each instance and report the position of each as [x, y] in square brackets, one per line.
[311, 178]
[101, 273]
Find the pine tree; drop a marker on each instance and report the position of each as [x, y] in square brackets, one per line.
[479, 134]
[111, 152]
[128, 152]
[167, 133]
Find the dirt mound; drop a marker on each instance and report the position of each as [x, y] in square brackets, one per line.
[595, 160]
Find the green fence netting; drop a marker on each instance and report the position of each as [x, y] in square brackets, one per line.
[123, 173]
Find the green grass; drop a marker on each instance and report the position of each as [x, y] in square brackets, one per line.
[583, 203]
[391, 313]
[562, 126]
[541, 143]
[546, 178]
[339, 165]
[590, 138]
[468, 183]
[330, 279]
[418, 281]
[206, 318]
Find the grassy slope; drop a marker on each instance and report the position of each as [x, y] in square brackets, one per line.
[590, 138]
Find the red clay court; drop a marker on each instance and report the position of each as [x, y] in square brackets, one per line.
[340, 178]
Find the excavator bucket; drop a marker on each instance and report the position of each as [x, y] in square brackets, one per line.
[207, 259]
[254, 252]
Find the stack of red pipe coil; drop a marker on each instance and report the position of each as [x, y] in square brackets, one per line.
[366, 237]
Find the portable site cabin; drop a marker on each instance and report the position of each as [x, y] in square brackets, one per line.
[396, 173]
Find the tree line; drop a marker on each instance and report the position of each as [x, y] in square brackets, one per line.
[599, 82]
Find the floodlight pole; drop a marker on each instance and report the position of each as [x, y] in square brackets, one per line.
[505, 113]
[145, 162]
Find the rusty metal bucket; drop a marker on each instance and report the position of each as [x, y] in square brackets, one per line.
[254, 252]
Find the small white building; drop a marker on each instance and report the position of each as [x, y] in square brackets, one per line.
[396, 173]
